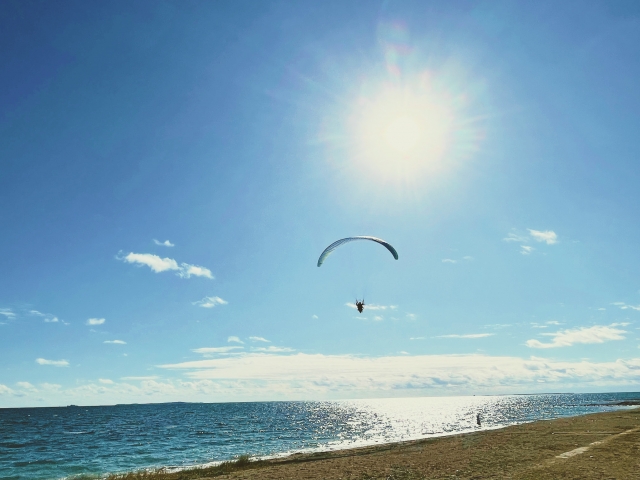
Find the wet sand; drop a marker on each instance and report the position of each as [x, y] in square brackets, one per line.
[596, 446]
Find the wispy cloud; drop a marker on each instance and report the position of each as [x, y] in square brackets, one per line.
[234, 339]
[159, 264]
[315, 317]
[466, 258]
[548, 236]
[411, 316]
[416, 338]
[210, 350]
[166, 243]
[467, 335]
[373, 306]
[259, 339]
[513, 237]
[55, 363]
[210, 302]
[47, 317]
[7, 312]
[149, 377]
[25, 385]
[115, 342]
[106, 381]
[272, 349]
[624, 306]
[95, 321]
[567, 338]
[187, 270]
[4, 390]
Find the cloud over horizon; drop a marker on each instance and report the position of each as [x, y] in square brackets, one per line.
[583, 335]
[468, 335]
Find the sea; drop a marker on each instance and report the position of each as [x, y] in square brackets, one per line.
[77, 442]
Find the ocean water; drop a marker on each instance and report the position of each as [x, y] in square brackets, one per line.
[88, 442]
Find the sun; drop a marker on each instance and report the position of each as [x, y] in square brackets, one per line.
[401, 132]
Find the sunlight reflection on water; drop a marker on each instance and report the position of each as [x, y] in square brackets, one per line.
[46, 443]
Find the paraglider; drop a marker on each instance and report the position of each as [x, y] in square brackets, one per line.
[327, 251]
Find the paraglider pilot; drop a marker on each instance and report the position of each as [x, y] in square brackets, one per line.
[360, 305]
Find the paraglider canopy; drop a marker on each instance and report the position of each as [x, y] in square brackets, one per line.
[327, 251]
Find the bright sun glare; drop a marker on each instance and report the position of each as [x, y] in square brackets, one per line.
[402, 132]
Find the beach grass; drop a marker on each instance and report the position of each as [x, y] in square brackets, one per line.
[239, 463]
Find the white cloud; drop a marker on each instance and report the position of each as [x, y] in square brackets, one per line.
[315, 317]
[411, 316]
[95, 321]
[210, 302]
[311, 376]
[468, 258]
[512, 237]
[416, 338]
[48, 318]
[548, 236]
[55, 363]
[567, 338]
[7, 312]
[116, 342]
[25, 385]
[259, 339]
[154, 262]
[158, 264]
[526, 249]
[553, 322]
[448, 260]
[187, 270]
[234, 339]
[378, 318]
[106, 381]
[299, 376]
[166, 243]
[468, 335]
[149, 377]
[4, 390]
[272, 349]
[210, 350]
[624, 306]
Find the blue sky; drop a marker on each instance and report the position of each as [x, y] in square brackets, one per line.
[171, 171]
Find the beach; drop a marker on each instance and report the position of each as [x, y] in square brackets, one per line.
[595, 446]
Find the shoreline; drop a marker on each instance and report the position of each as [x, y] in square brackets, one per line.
[597, 445]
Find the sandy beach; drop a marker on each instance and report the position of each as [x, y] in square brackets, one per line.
[597, 446]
